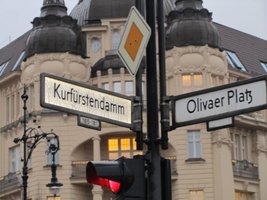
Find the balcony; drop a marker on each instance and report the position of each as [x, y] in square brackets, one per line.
[245, 169]
[10, 183]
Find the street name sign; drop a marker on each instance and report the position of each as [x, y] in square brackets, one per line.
[89, 122]
[81, 99]
[134, 41]
[220, 102]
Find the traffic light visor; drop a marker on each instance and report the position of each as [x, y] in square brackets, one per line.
[96, 174]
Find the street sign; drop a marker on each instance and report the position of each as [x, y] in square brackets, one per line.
[81, 99]
[89, 123]
[134, 41]
[220, 102]
[220, 123]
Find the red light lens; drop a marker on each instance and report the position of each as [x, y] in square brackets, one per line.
[112, 185]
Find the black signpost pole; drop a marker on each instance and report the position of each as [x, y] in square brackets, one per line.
[153, 154]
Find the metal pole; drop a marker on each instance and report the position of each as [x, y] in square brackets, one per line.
[24, 176]
[139, 93]
[153, 154]
[164, 112]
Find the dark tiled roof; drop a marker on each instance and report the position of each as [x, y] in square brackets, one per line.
[12, 52]
[249, 49]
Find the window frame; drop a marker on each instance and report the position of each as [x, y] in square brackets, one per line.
[195, 143]
[16, 159]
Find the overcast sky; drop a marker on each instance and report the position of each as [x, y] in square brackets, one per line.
[249, 16]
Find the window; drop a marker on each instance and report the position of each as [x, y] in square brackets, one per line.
[95, 45]
[53, 198]
[192, 82]
[129, 88]
[194, 144]
[15, 158]
[117, 87]
[118, 147]
[240, 146]
[8, 109]
[105, 86]
[234, 61]
[115, 39]
[264, 66]
[239, 195]
[21, 57]
[3, 67]
[196, 195]
[49, 154]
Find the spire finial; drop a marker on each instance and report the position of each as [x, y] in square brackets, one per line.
[53, 7]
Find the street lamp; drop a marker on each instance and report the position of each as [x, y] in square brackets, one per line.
[54, 185]
[30, 139]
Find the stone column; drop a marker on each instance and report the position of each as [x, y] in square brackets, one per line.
[222, 165]
[262, 164]
[97, 191]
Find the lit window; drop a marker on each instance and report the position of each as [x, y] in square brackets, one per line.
[3, 67]
[196, 195]
[240, 146]
[239, 195]
[105, 86]
[118, 147]
[49, 154]
[192, 82]
[264, 66]
[53, 198]
[21, 57]
[194, 144]
[234, 61]
[115, 39]
[117, 87]
[15, 159]
[128, 88]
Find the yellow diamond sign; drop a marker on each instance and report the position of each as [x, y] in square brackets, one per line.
[134, 41]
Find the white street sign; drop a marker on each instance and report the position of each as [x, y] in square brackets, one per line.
[220, 102]
[81, 99]
[134, 41]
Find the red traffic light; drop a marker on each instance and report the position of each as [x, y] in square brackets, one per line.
[109, 174]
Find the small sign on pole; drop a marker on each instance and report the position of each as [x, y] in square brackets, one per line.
[134, 41]
[89, 122]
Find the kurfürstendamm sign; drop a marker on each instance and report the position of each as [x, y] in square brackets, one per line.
[81, 99]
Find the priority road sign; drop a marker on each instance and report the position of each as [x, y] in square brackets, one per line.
[220, 102]
[134, 41]
[81, 99]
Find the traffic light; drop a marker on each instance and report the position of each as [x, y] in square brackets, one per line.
[124, 177]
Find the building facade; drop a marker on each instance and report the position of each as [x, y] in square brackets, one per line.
[227, 164]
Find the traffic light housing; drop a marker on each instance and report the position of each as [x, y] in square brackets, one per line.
[124, 177]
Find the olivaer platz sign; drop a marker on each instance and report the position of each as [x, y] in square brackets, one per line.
[81, 99]
[220, 102]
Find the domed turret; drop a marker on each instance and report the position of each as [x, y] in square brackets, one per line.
[191, 24]
[55, 31]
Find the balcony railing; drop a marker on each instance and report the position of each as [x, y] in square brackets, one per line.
[245, 169]
[10, 182]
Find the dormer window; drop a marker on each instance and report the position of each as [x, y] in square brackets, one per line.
[3, 67]
[264, 66]
[234, 61]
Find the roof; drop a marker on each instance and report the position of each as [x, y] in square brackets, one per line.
[250, 50]
[12, 54]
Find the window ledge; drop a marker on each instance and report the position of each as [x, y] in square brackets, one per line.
[49, 166]
[195, 160]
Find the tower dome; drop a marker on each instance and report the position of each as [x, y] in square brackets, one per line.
[54, 31]
[191, 24]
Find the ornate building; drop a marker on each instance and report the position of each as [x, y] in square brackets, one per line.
[227, 164]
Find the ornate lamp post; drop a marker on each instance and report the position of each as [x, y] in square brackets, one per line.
[31, 138]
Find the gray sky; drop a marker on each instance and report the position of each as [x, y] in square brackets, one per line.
[245, 15]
